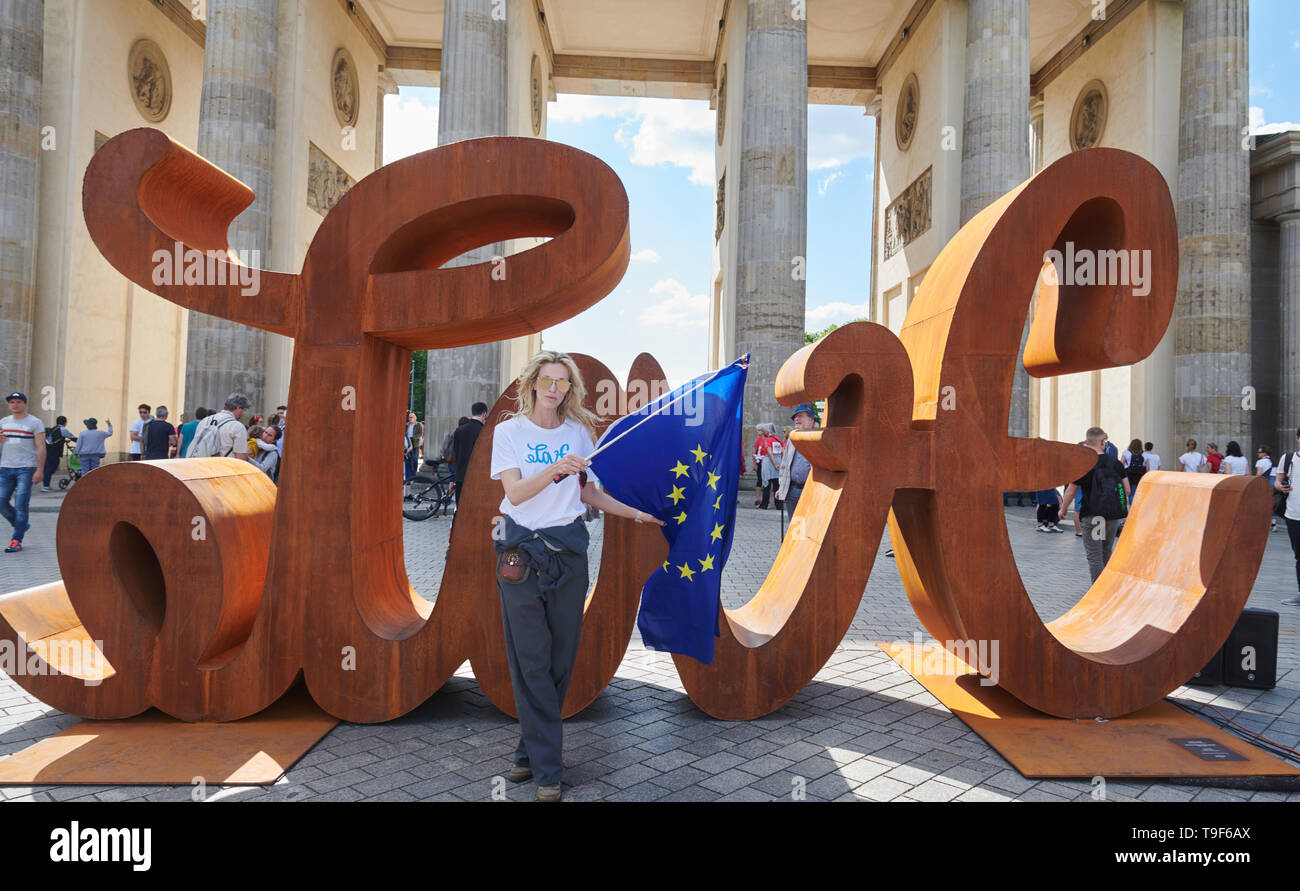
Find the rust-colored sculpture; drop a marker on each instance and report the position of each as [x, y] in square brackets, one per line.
[198, 635]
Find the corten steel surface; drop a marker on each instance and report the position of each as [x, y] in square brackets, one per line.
[936, 447]
[1139, 744]
[153, 749]
[916, 423]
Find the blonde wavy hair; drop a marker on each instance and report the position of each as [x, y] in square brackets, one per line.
[571, 405]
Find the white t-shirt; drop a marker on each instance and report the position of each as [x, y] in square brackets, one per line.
[1191, 461]
[1234, 464]
[1152, 460]
[1264, 466]
[137, 426]
[1292, 511]
[521, 444]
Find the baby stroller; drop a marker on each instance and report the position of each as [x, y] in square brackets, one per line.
[74, 471]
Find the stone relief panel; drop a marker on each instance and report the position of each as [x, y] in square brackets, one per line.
[720, 207]
[1088, 120]
[908, 216]
[327, 182]
[536, 95]
[149, 79]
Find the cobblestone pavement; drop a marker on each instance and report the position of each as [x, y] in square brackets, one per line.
[862, 730]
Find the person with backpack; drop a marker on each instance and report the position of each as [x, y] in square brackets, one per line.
[1291, 511]
[1134, 463]
[1106, 495]
[1213, 458]
[56, 438]
[157, 437]
[222, 435]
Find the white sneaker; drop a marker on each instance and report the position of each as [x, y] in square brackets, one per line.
[1292, 601]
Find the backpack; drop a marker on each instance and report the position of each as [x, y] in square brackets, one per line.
[205, 438]
[1137, 466]
[1106, 492]
[54, 436]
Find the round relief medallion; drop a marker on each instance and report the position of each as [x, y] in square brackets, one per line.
[722, 104]
[149, 79]
[344, 88]
[537, 95]
[909, 109]
[1088, 120]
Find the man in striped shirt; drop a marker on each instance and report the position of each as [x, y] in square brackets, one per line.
[22, 455]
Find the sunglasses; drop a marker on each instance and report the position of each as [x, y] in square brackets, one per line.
[544, 383]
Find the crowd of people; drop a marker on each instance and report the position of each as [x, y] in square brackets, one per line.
[31, 453]
[780, 471]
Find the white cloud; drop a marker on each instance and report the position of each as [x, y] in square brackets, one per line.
[825, 182]
[838, 135]
[410, 126]
[1259, 128]
[571, 108]
[834, 313]
[680, 309]
[647, 255]
[655, 131]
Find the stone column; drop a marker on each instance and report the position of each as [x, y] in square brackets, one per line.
[876, 311]
[22, 32]
[1212, 316]
[471, 104]
[237, 133]
[995, 131]
[1289, 364]
[387, 87]
[773, 200]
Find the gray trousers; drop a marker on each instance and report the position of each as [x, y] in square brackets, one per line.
[1099, 536]
[542, 633]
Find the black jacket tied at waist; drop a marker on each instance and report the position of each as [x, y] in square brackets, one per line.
[545, 549]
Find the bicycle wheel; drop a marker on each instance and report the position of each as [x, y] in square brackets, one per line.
[424, 501]
[446, 500]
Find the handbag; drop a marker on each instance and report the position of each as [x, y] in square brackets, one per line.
[511, 567]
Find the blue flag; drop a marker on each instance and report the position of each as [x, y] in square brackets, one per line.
[683, 466]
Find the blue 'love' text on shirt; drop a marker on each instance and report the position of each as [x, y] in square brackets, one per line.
[542, 455]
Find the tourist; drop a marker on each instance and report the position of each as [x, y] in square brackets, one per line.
[222, 434]
[1264, 468]
[22, 459]
[158, 436]
[1213, 458]
[767, 465]
[136, 429]
[1102, 510]
[462, 443]
[1152, 460]
[794, 466]
[254, 437]
[446, 454]
[1282, 483]
[549, 434]
[1049, 510]
[186, 432]
[1191, 460]
[1134, 463]
[56, 438]
[267, 457]
[414, 441]
[1234, 462]
[90, 445]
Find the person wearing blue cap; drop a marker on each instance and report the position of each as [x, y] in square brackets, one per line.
[794, 466]
[22, 457]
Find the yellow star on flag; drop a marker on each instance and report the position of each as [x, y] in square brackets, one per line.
[676, 494]
[665, 566]
[706, 564]
[713, 480]
[681, 469]
[699, 454]
[717, 505]
[680, 518]
[716, 534]
[687, 573]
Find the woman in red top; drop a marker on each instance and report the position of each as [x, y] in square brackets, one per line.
[767, 464]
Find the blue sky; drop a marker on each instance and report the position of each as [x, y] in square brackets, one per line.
[663, 151]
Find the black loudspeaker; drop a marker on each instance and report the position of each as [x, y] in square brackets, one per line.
[1250, 655]
[1212, 674]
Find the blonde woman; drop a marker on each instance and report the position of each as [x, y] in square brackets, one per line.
[543, 578]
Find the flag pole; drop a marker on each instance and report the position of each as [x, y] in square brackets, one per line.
[743, 362]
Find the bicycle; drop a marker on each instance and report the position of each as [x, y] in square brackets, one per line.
[431, 492]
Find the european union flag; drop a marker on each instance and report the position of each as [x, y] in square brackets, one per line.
[678, 458]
